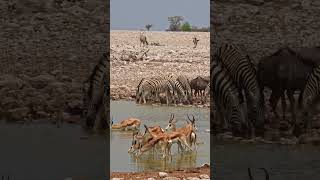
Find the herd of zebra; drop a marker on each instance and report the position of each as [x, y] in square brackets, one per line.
[285, 71]
[177, 89]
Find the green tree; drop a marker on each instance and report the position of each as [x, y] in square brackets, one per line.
[186, 27]
[175, 23]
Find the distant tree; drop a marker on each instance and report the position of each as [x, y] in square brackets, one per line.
[148, 26]
[175, 23]
[186, 27]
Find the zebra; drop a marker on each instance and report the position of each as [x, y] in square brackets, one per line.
[310, 95]
[95, 97]
[179, 92]
[155, 86]
[244, 73]
[207, 92]
[229, 109]
[184, 81]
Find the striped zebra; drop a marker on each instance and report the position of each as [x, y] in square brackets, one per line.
[243, 73]
[153, 87]
[180, 94]
[229, 110]
[207, 92]
[311, 95]
[184, 81]
[95, 96]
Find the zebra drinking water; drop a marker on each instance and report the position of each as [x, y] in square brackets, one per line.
[244, 75]
[96, 97]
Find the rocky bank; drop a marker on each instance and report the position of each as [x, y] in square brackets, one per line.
[48, 48]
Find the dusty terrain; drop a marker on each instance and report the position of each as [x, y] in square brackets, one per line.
[174, 53]
[47, 50]
[196, 173]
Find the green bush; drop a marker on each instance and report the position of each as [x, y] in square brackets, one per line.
[186, 27]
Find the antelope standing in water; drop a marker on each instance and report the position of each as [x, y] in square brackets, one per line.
[127, 124]
[189, 130]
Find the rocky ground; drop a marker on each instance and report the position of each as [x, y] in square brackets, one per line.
[171, 53]
[42, 69]
[187, 174]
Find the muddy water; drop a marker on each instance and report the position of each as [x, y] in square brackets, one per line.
[42, 151]
[156, 115]
[231, 161]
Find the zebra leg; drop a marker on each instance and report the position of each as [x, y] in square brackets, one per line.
[284, 105]
[273, 100]
[300, 100]
[293, 109]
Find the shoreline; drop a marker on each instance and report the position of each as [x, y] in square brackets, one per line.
[202, 172]
[207, 105]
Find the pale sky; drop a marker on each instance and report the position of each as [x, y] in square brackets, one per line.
[135, 14]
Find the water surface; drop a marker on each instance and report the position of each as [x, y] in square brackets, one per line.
[231, 161]
[42, 151]
[156, 115]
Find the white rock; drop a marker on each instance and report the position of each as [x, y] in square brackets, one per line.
[117, 179]
[171, 178]
[193, 178]
[204, 176]
[151, 179]
[163, 174]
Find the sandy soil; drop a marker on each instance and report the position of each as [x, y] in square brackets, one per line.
[196, 172]
[174, 54]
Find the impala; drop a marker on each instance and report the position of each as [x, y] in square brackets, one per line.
[173, 137]
[189, 130]
[139, 139]
[127, 124]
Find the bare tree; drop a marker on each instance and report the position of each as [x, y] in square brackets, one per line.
[148, 26]
[175, 22]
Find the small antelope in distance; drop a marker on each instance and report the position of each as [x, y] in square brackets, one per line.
[189, 130]
[127, 124]
[195, 41]
[143, 39]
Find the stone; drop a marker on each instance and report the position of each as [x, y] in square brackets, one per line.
[11, 82]
[204, 176]
[18, 114]
[41, 81]
[117, 179]
[193, 178]
[163, 174]
[151, 179]
[171, 178]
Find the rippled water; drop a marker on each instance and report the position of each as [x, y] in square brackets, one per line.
[282, 162]
[156, 115]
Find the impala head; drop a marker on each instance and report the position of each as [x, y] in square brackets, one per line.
[172, 123]
[193, 122]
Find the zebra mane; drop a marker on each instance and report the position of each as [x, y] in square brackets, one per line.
[140, 82]
[93, 73]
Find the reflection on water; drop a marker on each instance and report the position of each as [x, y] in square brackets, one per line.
[231, 161]
[156, 115]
